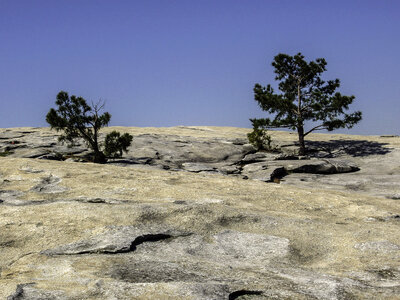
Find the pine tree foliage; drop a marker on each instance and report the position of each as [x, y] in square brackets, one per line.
[77, 119]
[115, 143]
[260, 139]
[303, 96]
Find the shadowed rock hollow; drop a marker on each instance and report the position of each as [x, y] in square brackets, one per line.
[193, 213]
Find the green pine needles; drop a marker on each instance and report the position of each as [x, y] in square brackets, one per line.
[260, 139]
[304, 97]
[77, 119]
[115, 143]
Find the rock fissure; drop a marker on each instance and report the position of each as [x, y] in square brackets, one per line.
[147, 238]
[237, 294]
[118, 240]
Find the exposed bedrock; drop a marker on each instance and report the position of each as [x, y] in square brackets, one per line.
[241, 263]
[176, 219]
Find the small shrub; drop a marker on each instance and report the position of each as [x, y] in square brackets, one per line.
[260, 139]
[5, 153]
[115, 143]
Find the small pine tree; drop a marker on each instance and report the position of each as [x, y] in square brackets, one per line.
[259, 138]
[77, 119]
[115, 143]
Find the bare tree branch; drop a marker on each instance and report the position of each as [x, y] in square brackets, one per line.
[319, 127]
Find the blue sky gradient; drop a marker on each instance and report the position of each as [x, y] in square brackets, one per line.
[167, 63]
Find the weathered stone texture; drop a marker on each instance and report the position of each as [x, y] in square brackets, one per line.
[176, 219]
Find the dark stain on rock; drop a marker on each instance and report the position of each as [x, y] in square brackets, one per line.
[9, 243]
[227, 220]
[181, 202]
[151, 272]
[385, 273]
[173, 181]
[302, 256]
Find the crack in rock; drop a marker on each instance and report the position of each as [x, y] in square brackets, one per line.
[237, 294]
[148, 238]
[117, 240]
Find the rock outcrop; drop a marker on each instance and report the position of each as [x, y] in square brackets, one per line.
[194, 213]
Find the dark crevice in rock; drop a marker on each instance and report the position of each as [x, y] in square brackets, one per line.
[237, 294]
[28, 131]
[148, 238]
[138, 241]
[278, 174]
[113, 248]
[289, 157]
[19, 292]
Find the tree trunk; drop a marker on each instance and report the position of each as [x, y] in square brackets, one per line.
[302, 149]
[300, 121]
[98, 156]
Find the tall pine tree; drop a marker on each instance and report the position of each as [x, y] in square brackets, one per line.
[304, 97]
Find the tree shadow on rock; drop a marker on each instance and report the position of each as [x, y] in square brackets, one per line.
[355, 148]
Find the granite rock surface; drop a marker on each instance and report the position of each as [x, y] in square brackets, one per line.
[196, 213]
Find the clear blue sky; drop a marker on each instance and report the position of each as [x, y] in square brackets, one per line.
[192, 62]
